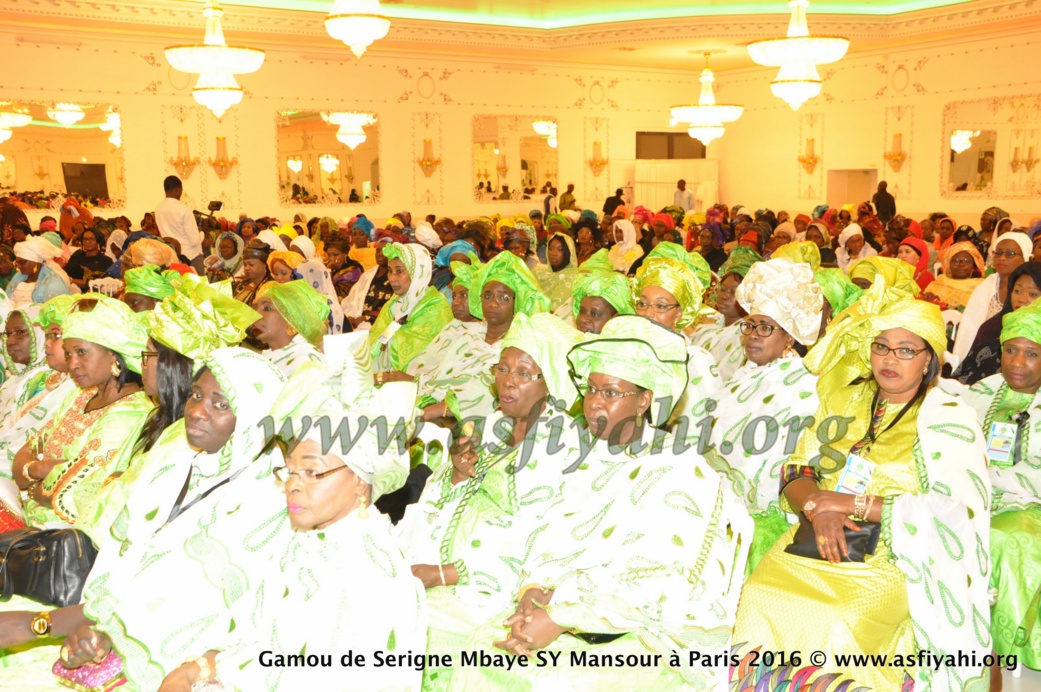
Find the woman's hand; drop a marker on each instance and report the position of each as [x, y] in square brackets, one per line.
[828, 501]
[84, 645]
[430, 575]
[531, 626]
[464, 459]
[393, 376]
[434, 412]
[181, 678]
[831, 539]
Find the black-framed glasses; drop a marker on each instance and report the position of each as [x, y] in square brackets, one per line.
[1007, 253]
[901, 352]
[657, 308]
[762, 329]
[305, 476]
[500, 370]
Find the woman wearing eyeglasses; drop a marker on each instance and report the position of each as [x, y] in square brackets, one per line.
[724, 341]
[891, 489]
[962, 271]
[639, 527]
[476, 514]
[1009, 409]
[763, 407]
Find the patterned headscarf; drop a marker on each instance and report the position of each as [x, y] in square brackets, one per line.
[467, 274]
[230, 265]
[286, 257]
[558, 218]
[785, 292]
[305, 309]
[739, 262]
[149, 281]
[697, 264]
[416, 259]
[609, 285]
[964, 246]
[800, 251]
[199, 318]
[1024, 322]
[55, 310]
[894, 273]
[676, 278]
[109, 323]
[547, 339]
[512, 272]
[838, 290]
[31, 316]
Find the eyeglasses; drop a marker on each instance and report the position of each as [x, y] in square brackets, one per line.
[657, 308]
[16, 334]
[145, 355]
[961, 260]
[502, 298]
[500, 370]
[762, 329]
[1007, 253]
[305, 476]
[608, 394]
[903, 353]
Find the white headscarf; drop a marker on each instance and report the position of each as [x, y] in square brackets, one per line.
[623, 254]
[416, 259]
[842, 256]
[117, 238]
[628, 234]
[1018, 237]
[786, 292]
[426, 235]
[271, 239]
[305, 245]
[36, 249]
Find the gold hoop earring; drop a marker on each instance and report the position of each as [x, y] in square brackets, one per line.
[116, 370]
[789, 352]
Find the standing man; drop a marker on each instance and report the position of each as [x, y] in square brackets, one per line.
[549, 204]
[682, 197]
[176, 220]
[612, 203]
[567, 200]
[885, 204]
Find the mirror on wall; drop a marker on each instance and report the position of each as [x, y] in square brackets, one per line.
[972, 160]
[49, 150]
[514, 157]
[328, 158]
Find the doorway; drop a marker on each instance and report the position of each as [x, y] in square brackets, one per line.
[851, 186]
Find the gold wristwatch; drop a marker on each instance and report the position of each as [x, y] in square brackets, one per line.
[41, 624]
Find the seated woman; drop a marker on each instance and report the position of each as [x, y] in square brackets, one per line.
[89, 262]
[225, 260]
[39, 278]
[597, 297]
[585, 590]
[915, 252]
[891, 272]
[414, 316]
[724, 342]
[292, 323]
[367, 297]
[475, 514]
[962, 267]
[852, 247]
[625, 249]
[329, 491]
[361, 251]
[23, 358]
[817, 233]
[255, 274]
[344, 271]
[443, 276]
[762, 407]
[281, 265]
[984, 358]
[63, 469]
[558, 274]
[1008, 408]
[909, 468]
[146, 286]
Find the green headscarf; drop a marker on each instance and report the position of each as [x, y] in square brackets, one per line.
[200, 317]
[695, 262]
[894, 273]
[843, 354]
[31, 317]
[838, 290]
[800, 251]
[609, 285]
[598, 261]
[547, 339]
[512, 272]
[148, 281]
[676, 278]
[466, 274]
[640, 351]
[740, 260]
[1024, 322]
[110, 323]
[560, 218]
[305, 309]
[55, 310]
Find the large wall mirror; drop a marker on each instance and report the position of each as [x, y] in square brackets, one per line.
[991, 148]
[54, 149]
[328, 158]
[514, 157]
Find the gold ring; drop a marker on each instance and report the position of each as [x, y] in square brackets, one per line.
[64, 654]
[822, 540]
[809, 506]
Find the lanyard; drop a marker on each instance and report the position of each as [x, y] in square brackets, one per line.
[878, 411]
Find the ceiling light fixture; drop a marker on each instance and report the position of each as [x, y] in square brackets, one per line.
[798, 55]
[114, 125]
[351, 132]
[962, 139]
[12, 117]
[358, 23]
[705, 120]
[68, 114]
[328, 162]
[216, 63]
[548, 130]
[5, 135]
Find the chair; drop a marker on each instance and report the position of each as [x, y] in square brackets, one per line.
[952, 318]
[936, 268]
[107, 286]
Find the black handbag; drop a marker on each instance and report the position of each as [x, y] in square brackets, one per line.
[859, 543]
[46, 565]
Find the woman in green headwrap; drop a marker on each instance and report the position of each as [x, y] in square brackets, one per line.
[598, 296]
[724, 342]
[292, 323]
[475, 514]
[558, 274]
[609, 568]
[146, 286]
[892, 272]
[1008, 408]
[887, 452]
[413, 317]
[63, 469]
[839, 293]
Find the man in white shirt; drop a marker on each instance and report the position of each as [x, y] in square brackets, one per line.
[682, 197]
[176, 220]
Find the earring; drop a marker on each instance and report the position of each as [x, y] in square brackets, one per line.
[789, 352]
[290, 331]
[116, 369]
[363, 507]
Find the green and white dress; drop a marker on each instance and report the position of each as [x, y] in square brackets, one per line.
[758, 419]
[413, 334]
[694, 408]
[724, 343]
[1015, 527]
[456, 369]
[641, 544]
[294, 354]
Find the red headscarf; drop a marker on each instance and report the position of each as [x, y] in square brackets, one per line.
[670, 223]
[915, 229]
[750, 239]
[922, 274]
[938, 242]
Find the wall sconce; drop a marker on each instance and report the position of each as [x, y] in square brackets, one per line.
[810, 160]
[1028, 163]
[502, 167]
[295, 164]
[896, 157]
[1031, 161]
[428, 163]
[184, 164]
[222, 165]
[598, 163]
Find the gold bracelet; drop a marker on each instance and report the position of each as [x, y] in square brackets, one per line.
[859, 506]
[528, 587]
[441, 571]
[205, 670]
[25, 472]
[870, 504]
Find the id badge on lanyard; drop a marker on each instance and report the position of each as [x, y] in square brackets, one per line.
[388, 334]
[1001, 442]
[856, 476]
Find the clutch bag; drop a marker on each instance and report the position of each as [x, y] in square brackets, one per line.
[859, 543]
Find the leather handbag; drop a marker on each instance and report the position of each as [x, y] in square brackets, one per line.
[46, 565]
[859, 543]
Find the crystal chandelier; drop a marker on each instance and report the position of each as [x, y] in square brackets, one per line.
[705, 120]
[5, 135]
[114, 126]
[962, 139]
[797, 55]
[68, 114]
[547, 129]
[216, 63]
[10, 119]
[351, 132]
[358, 23]
[328, 162]
[295, 164]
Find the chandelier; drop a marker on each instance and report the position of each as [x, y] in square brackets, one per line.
[295, 164]
[216, 63]
[962, 139]
[5, 135]
[548, 130]
[10, 119]
[351, 132]
[114, 126]
[68, 114]
[328, 162]
[358, 23]
[797, 55]
[705, 120]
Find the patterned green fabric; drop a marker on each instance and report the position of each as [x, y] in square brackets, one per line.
[598, 261]
[423, 324]
[676, 278]
[200, 317]
[724, 343]
[294, 354]
[547, 339]
[466, 274]
[305, 309]
[894, 273]
[512, 272]
[55, 310]
[149, 281]
[557, 284]
[110, 323]
[456, 368]
[800, 251]
[740, 260]
[697, 264]
[23, 379]
[1024, 322]
[838, 290]
[609, 285]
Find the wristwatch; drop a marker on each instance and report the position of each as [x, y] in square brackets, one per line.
[41, 624]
